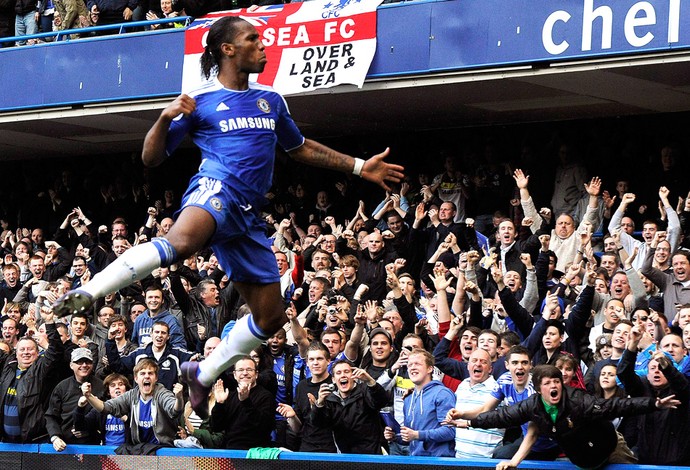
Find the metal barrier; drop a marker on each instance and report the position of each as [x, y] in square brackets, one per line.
[42, 456]
[120, 27]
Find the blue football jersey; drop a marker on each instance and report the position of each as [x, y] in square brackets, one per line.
[237, 132]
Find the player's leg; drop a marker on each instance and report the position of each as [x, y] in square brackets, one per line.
[192, 230]
[244, 253]
[267, 317]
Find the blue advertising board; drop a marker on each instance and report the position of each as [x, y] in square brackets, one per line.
[487, 33]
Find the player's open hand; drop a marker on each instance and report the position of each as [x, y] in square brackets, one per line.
[378, 171]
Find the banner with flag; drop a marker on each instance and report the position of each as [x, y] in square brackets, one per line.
[309, 45]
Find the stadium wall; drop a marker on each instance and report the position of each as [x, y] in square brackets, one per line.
[419, 37]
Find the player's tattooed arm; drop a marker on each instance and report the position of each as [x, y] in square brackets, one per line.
[375, 169]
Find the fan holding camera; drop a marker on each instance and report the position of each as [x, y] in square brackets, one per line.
[352, 409]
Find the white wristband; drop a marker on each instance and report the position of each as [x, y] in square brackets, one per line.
[359, 164]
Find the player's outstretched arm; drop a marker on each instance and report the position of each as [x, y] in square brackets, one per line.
[153, 153]
[375, 169]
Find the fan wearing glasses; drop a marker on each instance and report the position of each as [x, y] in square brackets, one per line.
[247, 414]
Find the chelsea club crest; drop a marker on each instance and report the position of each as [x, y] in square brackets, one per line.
[216, 204]
[263, 105]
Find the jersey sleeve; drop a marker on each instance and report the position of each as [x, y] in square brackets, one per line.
[289, 135]
[179, 128]
[497, 392]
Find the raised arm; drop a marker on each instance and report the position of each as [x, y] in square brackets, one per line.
[471, 268]
[637, 289]
[280, 241]
[94, 401]
[593, 189]
[528, 207]
[575, 324]
[530, 298]
[375, 169]
[626, 240]
[400, 204]
[626, 366]
[383, 207]
[459, 299]
[154, 152]
[441, 283]
[56, 347]
[298, 333]
[445, 364]
[520, 316]
[352, 345]
[655, 275]
[533, 340]
[673, 228]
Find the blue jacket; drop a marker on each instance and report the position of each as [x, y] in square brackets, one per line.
[168, 363]
[143, 325]
[424, 410]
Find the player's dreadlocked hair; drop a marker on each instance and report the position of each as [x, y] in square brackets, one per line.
[222, 31]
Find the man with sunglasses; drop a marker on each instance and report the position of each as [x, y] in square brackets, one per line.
[64, 399]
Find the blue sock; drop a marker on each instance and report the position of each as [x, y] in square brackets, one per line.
[165, 250]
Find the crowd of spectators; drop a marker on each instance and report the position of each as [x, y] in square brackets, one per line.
[29, 17]
[425, 307]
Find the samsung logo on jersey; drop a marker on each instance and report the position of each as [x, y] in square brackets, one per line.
[227, 125]
[115, 427]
